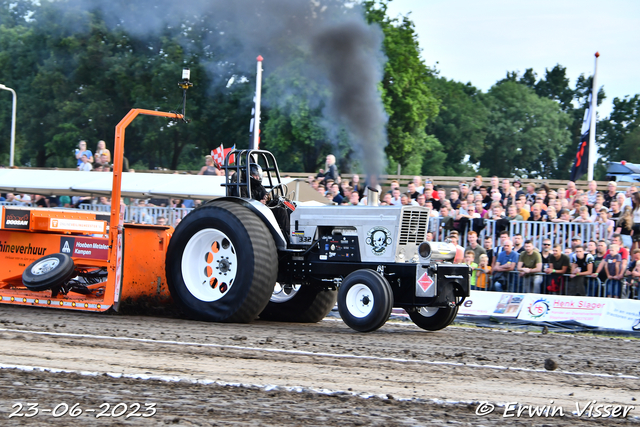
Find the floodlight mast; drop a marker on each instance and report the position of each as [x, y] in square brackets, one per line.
[185, 84]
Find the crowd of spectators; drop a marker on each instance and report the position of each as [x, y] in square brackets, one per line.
[604, 265]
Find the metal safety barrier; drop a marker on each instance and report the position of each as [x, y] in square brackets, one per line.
[550, 284]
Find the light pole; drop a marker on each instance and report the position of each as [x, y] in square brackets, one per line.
[13, 123]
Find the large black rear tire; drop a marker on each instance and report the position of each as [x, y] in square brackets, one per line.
[301, 304]
[222, 263]
[365, 300]
[434, 318]
[48, 272]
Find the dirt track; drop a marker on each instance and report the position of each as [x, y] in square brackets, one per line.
[458, 367]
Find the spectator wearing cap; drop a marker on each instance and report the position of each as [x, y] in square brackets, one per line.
[575, 242]
[476, 184]
[610, 195]
[531, 193]
[518, 185]
[581, 267]
[464, 190]
[559, 265]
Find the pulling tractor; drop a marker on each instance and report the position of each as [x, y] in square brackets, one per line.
[235, 258]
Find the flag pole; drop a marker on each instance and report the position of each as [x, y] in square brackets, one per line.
[592, 127]
[256, 122]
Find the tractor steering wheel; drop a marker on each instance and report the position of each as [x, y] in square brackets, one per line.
[283, 190]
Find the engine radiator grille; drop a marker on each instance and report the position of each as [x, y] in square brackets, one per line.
[414, 225]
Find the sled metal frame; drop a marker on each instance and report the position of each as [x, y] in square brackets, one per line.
[146, 247]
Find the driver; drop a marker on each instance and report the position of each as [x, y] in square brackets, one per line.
[258, 192]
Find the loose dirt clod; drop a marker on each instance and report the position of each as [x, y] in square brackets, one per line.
[550, 365]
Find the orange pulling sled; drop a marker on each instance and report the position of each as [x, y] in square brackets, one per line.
[37, 246]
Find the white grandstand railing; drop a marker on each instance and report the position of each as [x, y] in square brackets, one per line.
[558, 232]
[145, 214]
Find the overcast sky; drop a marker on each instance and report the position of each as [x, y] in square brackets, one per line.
[479, 41]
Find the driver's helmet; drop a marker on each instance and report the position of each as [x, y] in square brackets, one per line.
[255, 171]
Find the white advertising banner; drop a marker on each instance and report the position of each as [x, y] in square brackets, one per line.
[497, 304]
[557, 308]
[622, 314]
[608, 313]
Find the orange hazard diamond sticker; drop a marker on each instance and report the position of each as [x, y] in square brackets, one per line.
[425, 282]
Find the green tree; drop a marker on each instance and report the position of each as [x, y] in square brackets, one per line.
[618, 130]
[526, 132]
[406, 92]
[460, 126]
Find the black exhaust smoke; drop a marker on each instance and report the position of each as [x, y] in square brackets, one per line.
[349, 52]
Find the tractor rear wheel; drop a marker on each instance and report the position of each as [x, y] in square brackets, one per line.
[222, 263]
[301, 304]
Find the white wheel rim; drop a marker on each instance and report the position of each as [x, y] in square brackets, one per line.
[428, 311]
[209, 265]
[283, 293]
[359, 300]
[45, 266]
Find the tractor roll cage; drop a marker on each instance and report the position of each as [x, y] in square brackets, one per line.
[240, 168]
